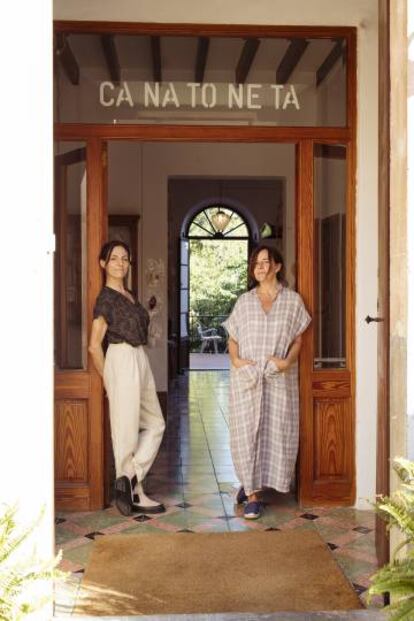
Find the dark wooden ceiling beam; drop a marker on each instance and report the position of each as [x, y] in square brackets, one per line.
[330, 61]
[111, 57]
[246, 59]
[156, 58]
[67, 58]
[290, 60]
[201, 59]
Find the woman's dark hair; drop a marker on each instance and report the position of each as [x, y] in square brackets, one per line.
[273, 255]
[108, 247]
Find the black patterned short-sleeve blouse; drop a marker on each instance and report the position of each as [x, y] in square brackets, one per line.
[127, 321]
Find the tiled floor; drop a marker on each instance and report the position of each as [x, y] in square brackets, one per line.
[193, 475]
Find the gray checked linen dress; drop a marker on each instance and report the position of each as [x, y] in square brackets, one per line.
[264, 403]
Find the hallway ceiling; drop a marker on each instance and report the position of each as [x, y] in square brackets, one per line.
[196, 59]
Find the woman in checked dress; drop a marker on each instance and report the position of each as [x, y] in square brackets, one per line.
[265, 329]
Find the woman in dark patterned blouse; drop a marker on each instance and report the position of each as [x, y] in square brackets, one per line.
[137, 424]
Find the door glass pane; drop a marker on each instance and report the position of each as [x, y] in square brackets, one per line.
[126, 78]
[330, 190]
[70, 257]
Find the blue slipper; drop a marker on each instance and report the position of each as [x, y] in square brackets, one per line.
[252, 510]
[241, 496]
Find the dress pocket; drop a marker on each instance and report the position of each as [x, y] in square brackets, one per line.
[272, 372]
[247, 375]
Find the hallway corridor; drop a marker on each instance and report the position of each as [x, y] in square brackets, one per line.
[194, 477]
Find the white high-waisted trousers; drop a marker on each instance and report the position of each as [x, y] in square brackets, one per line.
[137, 423]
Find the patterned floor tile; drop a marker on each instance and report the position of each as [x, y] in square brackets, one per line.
[174, 520]
[280, 520]
[63, 535]
[363, 543]
[195, 517]
[208, 500]
[72, 544]
[346, 538]
[359, 555]
[207, 511]
[146, 527]
[239, 524]
[98, 520]
[79, 554]
[329, 532]
[352, 567]
[205, 488]
[118, 528]
[213, 526]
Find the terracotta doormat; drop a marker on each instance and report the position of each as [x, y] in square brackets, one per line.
[213, 572]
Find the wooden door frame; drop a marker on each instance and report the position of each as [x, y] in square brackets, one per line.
[383, 415]
[303, 138]
[85, 491]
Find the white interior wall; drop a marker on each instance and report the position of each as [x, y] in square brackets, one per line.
[363, 15]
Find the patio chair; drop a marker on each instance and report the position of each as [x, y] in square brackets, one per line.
[208, 336]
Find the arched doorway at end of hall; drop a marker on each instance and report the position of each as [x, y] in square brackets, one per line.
[210, 241]
[214, 250]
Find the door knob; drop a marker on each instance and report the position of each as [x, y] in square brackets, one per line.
[369, 319]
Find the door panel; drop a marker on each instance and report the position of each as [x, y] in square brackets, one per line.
[80, 204]
[71, 440]
[331, 455]
[325, 264]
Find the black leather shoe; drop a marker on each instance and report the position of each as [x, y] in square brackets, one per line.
[123, 496]
[152, 509]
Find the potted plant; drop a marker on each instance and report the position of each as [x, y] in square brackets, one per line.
[397, 577]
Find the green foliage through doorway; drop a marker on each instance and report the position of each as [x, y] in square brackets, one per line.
[218, 275]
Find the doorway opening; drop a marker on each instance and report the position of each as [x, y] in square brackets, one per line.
[217, 242]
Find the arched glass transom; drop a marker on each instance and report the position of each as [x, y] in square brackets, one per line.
[218, 222]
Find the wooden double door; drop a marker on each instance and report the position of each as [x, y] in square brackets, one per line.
[325, 278]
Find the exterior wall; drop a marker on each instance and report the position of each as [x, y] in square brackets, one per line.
[26, 439]
[363, 15]
[410, 234]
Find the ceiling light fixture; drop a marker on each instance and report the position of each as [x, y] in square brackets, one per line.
[220, 220]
